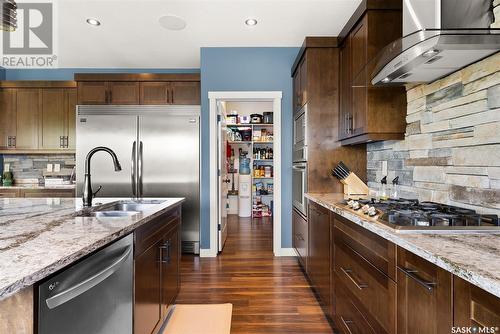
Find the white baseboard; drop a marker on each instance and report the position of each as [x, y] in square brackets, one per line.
[286, 252]
[207, 253]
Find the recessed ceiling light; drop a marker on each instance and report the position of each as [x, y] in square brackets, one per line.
[172, 22]
[251, 22]
[386, 80]
[93, 22]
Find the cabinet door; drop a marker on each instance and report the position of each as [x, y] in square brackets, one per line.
[296, 90]
[52, 119]
[319, 251]
[7, 116]
[27, 115]
[359, 41]
[424, 296]
[154, 93]
[474, 307]
[359, 105]
[147, 306]
[170, 267]
[185, 92]
[70, 122]
[123, 92]
[92, 92]
[303, 81]
[345, 119]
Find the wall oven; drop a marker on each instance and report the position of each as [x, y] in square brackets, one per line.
[300, 135]
[299, 179]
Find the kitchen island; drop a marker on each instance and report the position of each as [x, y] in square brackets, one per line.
[371, 276]
[39, 237]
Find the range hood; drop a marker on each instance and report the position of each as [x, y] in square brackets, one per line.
[441, 37]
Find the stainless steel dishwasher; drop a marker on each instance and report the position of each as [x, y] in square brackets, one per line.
[93, 296]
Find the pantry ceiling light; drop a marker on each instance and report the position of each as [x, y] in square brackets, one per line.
[172, 22]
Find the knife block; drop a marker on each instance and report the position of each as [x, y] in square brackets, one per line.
[354, 187]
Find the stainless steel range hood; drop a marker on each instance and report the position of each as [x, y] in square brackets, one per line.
[441, 37]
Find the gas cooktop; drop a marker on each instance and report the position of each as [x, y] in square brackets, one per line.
[409, 214]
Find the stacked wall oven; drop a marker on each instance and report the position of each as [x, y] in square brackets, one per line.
[299, 168]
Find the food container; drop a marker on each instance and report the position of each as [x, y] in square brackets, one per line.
[268, 171]
[268, 117]
[232, 119]
[256, 118]
[244, 119]
[246, 134]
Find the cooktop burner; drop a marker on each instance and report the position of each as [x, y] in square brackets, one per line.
[408, 214]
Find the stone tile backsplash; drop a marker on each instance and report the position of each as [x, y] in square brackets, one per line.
[451, 150]
[28, 168]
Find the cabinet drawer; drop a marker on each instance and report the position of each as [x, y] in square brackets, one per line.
[300, 237]
[377, 251]
[151, 232]
[375, 291]
[348, 318]
[9, 193]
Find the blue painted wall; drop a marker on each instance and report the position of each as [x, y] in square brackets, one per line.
[68, 73]
[248, 69]
[2, 73]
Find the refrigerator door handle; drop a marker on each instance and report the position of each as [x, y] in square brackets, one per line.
[132, 172]
[139, 170]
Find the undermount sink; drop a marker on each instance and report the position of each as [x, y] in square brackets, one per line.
[120, 209]
[128, 206]
[108, 214]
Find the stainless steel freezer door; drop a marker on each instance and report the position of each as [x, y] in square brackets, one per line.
[170, 163]
[118, 132]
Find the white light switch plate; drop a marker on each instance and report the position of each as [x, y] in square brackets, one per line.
[6, 168]
[384, 168]
[49, 167]
[57, 168]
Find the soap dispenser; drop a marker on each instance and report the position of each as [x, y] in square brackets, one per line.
[395, 188]
[383, 189]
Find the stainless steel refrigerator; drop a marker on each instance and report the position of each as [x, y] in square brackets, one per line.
[159, 151]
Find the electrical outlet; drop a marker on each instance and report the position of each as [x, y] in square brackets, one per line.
[57, 168]
[6, 168]
[49, 168]
[384, 168]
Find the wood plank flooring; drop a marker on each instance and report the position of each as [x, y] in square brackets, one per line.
[269, 294]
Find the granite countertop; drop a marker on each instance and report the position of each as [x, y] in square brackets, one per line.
[475, 257]
[39, 236]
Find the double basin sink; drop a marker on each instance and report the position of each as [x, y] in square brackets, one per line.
[120, 209]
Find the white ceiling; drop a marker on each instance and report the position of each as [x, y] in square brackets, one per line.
[131, 37]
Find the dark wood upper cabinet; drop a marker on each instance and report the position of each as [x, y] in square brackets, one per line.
[27, 113]
[70, 120]
[123, 92]
[424, 296]
[369, 113]
[52, 118]
[154, 93]
[8, 103]
[92, 92]
[142, 88]
[185, 92]
[474, 307]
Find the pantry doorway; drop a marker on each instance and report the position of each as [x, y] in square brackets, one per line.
[245, 163]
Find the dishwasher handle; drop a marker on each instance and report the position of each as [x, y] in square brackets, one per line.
[87, 284]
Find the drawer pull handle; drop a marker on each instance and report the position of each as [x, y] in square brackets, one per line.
[348, 273]
[346, 324]
[412, 274]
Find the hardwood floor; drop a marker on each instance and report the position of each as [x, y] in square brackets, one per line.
[269, 294]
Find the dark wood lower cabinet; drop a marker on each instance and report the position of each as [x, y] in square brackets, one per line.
[474, 307]
[156, 273]
[424, 296]
[300, 237]
[318, 261]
